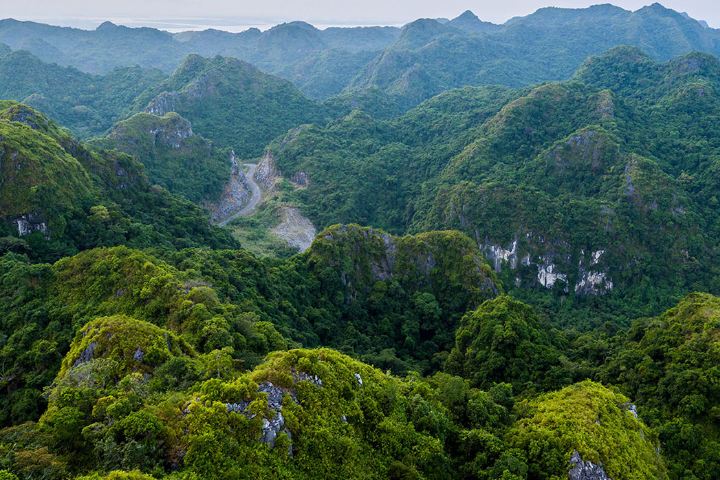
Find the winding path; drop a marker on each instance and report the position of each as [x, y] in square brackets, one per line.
[255, 196]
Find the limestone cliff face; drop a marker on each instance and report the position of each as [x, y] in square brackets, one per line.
[162, 104]
[174, 156]
[235, 195]
[266, 173]
[583, 470]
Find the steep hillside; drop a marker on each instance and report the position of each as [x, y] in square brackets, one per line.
[393, 301]
[58, 196]
[95, 51]
[173, 156]
[668, 364]
[430, 57]
[410, 64]
[47, 305]
[584, 189]
[360, 170]
[231, 103]
[86, 104]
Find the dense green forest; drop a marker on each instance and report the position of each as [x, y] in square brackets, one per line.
[515, 276]
[173, 155]
[604, 185]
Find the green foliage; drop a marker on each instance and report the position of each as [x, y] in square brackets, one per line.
[614, 163]
[231, 103]
[430, 57]
[117, 475]
[364, 171]
[505, 341]
[392, 299]
[174, 157]
[86, 104]
[595, 422]
[47, 306]
[62, 197]
[669, 364]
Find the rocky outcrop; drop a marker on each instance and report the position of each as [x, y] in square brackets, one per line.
[274, 423]
[592, 277]
[266, 173]
[86, 354]
[30, 223]
[433, 261]
[163, 103]
[582, 470]
[295, 229]
[548, 274]
[300, 179]
[173, 133]
[235, 196]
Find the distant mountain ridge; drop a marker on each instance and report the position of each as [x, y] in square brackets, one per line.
[412, 63]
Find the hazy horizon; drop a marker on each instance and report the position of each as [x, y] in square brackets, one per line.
[238, 16]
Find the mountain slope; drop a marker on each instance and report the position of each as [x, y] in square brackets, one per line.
[173, 156]
[86, 104]
[591, 187]
[58, 196]
[231, 103]
[549, 44]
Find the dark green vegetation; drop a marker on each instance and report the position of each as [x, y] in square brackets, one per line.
[430, 57]
[407, 65]
[155, 367]
[59, 197]
[87, 104]
[231, 102]
[501, 319]
[670, 365]
[174, 157]
[601, 186]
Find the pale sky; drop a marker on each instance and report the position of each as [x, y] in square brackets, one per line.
[234, 14]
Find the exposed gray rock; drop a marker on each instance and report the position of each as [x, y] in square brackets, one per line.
[582, 470]
[236, 195]
[163, 103]
[238, 407]
[301, 179]
[138, 355]
[266, 174]
[86, 354]
[274, 395]
[498, 254]
[271, 429]
[30, 223]
[632, 408]
[295, 228]
[305, 377]
[172, 134]
[275, 424]
[359, 379]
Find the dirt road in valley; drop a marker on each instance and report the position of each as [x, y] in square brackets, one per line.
[255, 196]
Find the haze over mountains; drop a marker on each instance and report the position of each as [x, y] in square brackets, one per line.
[413, 62]
[515, 274]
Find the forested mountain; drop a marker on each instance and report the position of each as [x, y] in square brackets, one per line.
[173, 155]
[411, 64]
[601, 185]
[430, 57]
[231, 102]
[501, 286]
[58, 197]
[87, 104]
